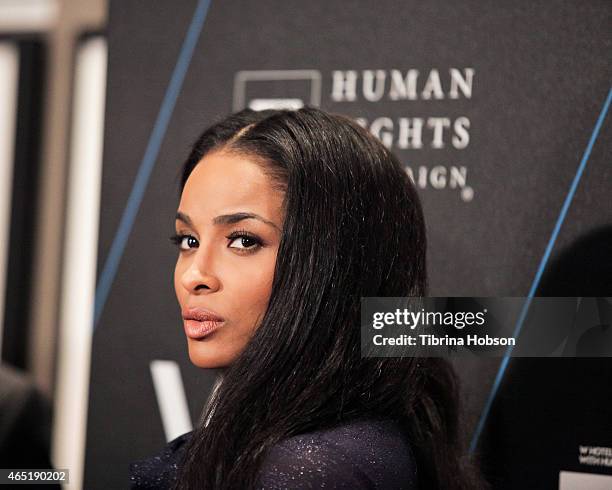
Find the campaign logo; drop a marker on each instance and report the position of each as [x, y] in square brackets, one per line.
[276, 89]
[430, 143]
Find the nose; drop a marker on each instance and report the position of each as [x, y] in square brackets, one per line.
[199, 277]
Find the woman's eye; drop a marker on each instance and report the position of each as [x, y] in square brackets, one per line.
[188, 242]
[244, 242]
[184, 242]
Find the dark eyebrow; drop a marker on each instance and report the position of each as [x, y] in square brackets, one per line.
[228, 219]
[184, 218]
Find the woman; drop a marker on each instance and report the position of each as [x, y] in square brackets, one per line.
[286, 219]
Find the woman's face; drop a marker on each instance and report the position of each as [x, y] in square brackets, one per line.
[228, 227]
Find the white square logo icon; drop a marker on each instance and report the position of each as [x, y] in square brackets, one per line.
[276, 89]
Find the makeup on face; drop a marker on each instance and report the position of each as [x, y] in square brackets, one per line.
[200, 322]
[228, 229]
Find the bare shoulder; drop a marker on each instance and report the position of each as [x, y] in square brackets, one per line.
[365, 454]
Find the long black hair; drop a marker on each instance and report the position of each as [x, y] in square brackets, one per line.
[353, 227]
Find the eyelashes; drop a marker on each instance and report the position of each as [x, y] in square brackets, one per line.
[177, 239]
[249, 242]
[254, 242]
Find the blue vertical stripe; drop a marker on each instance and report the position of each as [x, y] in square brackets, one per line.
[150, 156]
[540, 271]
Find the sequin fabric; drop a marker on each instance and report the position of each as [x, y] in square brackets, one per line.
[358, 455]
[159, 472]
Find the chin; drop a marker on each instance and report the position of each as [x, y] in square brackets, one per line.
[204, 357]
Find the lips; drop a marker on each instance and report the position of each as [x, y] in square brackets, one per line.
[200, 322]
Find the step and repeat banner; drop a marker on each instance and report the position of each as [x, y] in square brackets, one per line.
[489, 106]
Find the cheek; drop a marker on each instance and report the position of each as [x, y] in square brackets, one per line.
[251, 287]
[178, 271]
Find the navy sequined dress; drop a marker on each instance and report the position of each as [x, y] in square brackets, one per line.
[358, 455]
